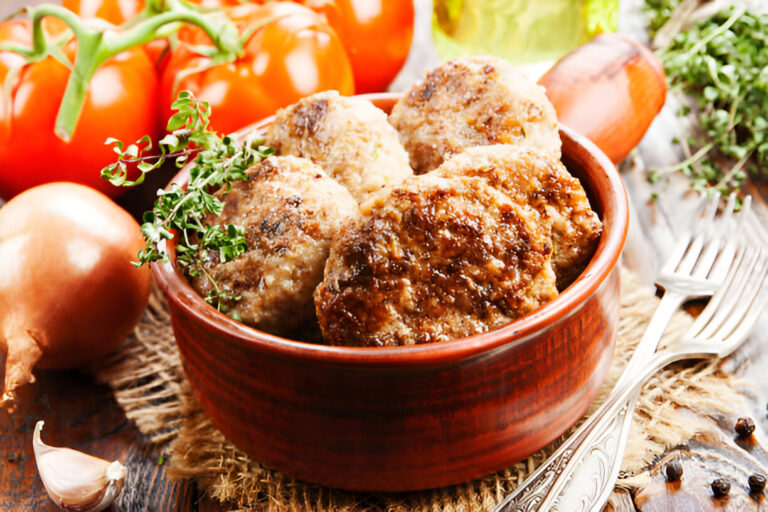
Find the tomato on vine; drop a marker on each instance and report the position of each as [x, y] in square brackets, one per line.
[376, 34]
[70, 83]
[121, 98]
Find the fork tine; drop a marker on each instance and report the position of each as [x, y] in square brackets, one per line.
[713, 240]
[746, 204]
[700, 229]
[732, 293]
[726, 216]
[710, 209]
[730, 206]
[728, 213]
[730, 225]
[714, 303]
[757, 227]
[746, 325]
[676, 255]
[745, 214]
[674, 258]
[680, 248]
[742, 303]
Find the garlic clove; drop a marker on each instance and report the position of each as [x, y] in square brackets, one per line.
[75, 480]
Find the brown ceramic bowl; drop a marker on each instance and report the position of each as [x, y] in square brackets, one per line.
[404, 418]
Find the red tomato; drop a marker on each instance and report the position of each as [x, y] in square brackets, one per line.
[377, 35]
[293, 53]
[120, 102]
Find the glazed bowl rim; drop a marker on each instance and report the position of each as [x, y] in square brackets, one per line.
[177, 288]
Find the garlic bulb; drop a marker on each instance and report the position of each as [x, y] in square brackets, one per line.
[75, 480]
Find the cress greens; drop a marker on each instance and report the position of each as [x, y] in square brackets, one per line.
[722, 64]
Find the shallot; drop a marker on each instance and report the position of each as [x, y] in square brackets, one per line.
[609, 90]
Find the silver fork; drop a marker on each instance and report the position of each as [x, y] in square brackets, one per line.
[723, 325]
[695, 269]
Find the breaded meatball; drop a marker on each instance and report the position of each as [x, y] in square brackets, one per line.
[529, 176]
[348, 137]
[473, 101]
[432, 260]
[290, 210]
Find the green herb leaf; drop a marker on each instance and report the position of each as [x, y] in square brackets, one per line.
[186, 214]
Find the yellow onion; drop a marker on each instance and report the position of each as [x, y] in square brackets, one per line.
[69, 294]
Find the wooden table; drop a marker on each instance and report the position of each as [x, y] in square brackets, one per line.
[83, 414]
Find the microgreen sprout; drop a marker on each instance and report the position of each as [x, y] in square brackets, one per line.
[722, 65]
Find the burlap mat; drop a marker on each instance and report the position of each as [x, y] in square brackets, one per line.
[149, 384]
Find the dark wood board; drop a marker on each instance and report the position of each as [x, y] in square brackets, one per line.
[81, 413]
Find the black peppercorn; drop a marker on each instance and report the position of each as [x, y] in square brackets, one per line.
[720, 488]
[674, 471]
[756, 483]
[745, 427]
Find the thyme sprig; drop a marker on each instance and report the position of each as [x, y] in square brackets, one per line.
[184, 212]
[722, 65]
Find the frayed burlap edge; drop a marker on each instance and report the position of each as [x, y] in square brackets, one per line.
[149, 384]
[146, 374]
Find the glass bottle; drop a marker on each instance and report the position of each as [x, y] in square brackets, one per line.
[523, 32]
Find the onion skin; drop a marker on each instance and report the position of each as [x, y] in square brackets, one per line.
[609, 90]
[69, 294]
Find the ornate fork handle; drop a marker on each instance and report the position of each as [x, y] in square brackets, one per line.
[602, 432]
[541, 491]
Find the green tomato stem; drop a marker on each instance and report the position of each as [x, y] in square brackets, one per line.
[56, 11]
[95, 46]
[88, 60]
[147, 31]
[24, 52]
